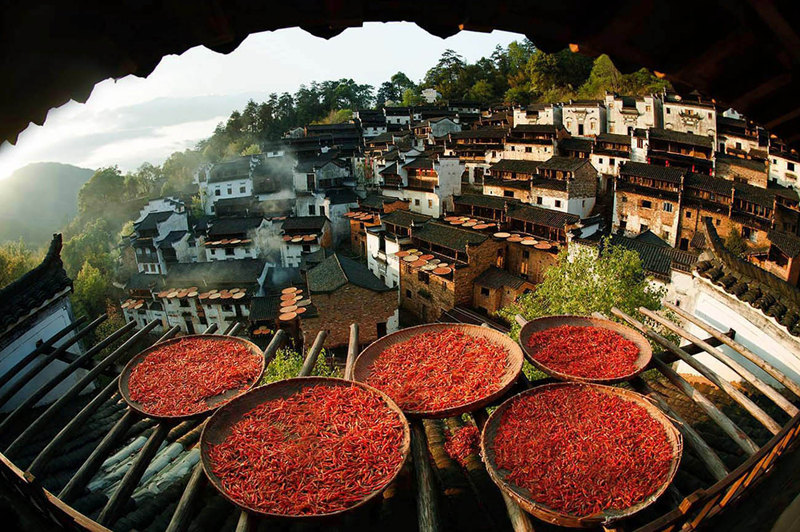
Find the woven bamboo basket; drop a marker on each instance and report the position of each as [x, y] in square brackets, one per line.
[523, 497]
[368, 356]
[213, 402]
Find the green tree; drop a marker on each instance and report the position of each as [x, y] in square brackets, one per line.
[16, 258]
[482, 92]
[584, 283]
[412, 97]
[253, 149]
[90, 291]
[288, 363]
[92, 245]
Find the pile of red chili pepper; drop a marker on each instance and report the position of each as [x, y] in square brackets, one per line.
[463, 442]
[439, 370]
[580, 451]
[176, 379]
[321, 450]
[589, 352]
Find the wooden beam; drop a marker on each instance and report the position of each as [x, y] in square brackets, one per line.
[771, 370]
[762, 386]
[352, 352]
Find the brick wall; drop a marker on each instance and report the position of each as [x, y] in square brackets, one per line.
[730, 170]
[497, 297]
[531, 267]
[350, 304]
[585, 183]
[629, 206]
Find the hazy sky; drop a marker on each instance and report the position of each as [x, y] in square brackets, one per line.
[134, 120]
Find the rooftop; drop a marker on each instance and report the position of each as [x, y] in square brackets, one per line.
[304, 223]
[496, 278]
[567, 164]
[544, 217]
[448, 236]
[516, 165]
[404, 218]
[682, 138]
[669, 174]
[337, 270]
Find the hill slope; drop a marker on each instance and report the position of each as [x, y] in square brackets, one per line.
[38, 200]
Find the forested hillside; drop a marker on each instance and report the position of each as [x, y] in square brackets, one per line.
[39, 199]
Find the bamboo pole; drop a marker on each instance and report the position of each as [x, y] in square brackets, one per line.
[762, 386]
[724, 385]
[352, 352]
[771, 370]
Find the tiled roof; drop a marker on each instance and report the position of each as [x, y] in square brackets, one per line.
[391, 169]
[584, 103]
[280, 277]
[752, 194]
[651, 238]
[234, 226]
[707, 183]
[614, 137]
[496, 278]
[34, 288]
[752, 164]
[656, 259]
[569, 164]
[541, 216]
[575, 144]
[264, 308]
[482, 133]
[340, 196]
[448, 236]
[534, 128]
[233, 169]
[788, 243]
[421, 163]
[518, 184]
[483, 200]
[549, 184]
[516, 165]
[670, 174]
[683, 138]
[304, 223]
[171, 238]
[144, 281]
[336, 271]
[404, 218]
[150, 221]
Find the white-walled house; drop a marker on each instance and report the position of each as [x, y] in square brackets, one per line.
[226, 180]
[691, 114]
[384, 241]
[303, 235]
[584, 118]
[538, 113]
[33, 309]
[431, 184]
[626, 113]
[784, 167]
[235, 238]
[156, 233]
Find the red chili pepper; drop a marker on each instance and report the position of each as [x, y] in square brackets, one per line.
[589, 352]
[177, 378]
[438, 370]
[320, 450]
[580, 451]
[463, 442]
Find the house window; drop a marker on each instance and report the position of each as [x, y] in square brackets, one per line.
[138, 251]
[526, 254]
[416, 202]
[312, 210]
[647, 204]
[640, 143]
[528, 149]
[790, 167]
[430, 203]
[688, 214]
[600, 160]
[408, 293]
[306, 248]
[229, 251]
[624, 199]
[242, 189]
[508, 194]
[217, 192]
[558, 203]
[184, 303]
[669, 111]
[611, 161]
[310, 181]
[538, 200]
[322, 210]
[484, 291]
[230, 191]
[667, 207]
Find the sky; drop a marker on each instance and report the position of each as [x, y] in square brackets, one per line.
[132, 120]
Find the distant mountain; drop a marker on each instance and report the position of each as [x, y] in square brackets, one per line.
[38, 200]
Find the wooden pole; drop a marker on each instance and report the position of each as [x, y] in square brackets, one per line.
[721, 383]
[352, 352]
[762, 386]
[427, 503]
[771, 370]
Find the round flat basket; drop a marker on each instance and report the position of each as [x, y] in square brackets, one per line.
[368, 356]
[220, 425]
[524, 498]
[550, 322]
[290, 290]
[501, 235]
[213, 402]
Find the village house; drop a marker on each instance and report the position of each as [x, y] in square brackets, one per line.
[511, 178]
[385, 240]
[466, 254]
[477, 149]
[344, 291]
[752, 171]
[397, 118]
[782, 258]
[626, 113]
[576, 147]
[690, 114]
[496, 288]
[704, 198]
[435, 130]
[427, 183]
[538, 113]
[584, 118]
[741, 138]
[565, 184]
[368, 214]
[610, 152]
[548, 231]
[236, 238]
[372, 122]
[344, 137]
[303, 235]
[33, 309]
[532, 142]
[648, 197]
[686, 150]
[784, 165]
[491, 210]
[463, 106]
[161, 236]
[226, 180]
